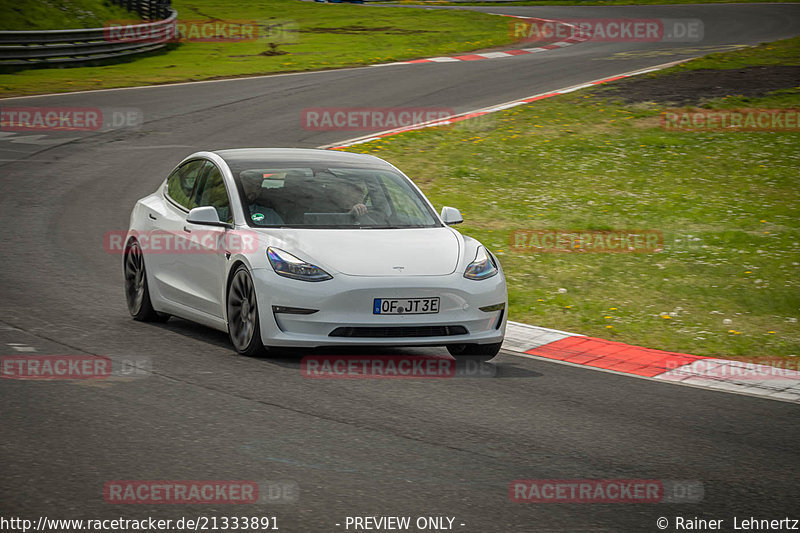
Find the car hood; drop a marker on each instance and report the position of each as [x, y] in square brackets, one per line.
[376, 252]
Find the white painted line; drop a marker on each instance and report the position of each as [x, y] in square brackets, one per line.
[503, 107]
[540, 329]
[440, 60]
[787, 396]
[492, 55]
[367, 140]
[18, 346]
[577, 88]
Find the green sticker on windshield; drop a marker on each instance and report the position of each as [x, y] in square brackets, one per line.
[257, 217]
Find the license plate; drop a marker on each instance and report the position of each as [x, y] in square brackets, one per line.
[405, 306]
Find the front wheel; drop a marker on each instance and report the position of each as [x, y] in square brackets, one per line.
[243, 324]
[137, 293]
[475, 352]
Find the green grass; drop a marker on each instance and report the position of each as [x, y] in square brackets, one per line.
[583, 2]
[329, 36]
[728, 205]
[785, 52]
[58, 14]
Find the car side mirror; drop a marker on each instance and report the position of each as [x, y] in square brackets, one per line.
[205, 216]
[451, 216]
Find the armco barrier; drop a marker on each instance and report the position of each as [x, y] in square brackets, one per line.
[44, 47]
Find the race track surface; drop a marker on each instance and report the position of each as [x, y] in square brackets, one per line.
[446, 447]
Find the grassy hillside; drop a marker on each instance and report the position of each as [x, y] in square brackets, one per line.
[321, 36]
[58, 14]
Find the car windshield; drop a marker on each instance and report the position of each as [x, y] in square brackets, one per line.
[329, 197]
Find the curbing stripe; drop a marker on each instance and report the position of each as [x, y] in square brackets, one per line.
[721, 375]
[610, 355]
[499, 55]
[479, 112]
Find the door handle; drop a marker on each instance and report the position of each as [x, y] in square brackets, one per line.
[187, 230]
[151, 216]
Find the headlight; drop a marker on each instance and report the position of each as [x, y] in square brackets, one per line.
[289, 266]
[482, 267]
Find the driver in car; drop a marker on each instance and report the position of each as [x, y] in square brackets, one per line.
[351, 194]
[258, 213]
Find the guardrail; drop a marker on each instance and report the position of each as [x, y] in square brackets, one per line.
[55, 47]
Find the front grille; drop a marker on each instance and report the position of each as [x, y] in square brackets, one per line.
[399, 331]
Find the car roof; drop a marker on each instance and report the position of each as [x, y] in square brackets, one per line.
[300, 156]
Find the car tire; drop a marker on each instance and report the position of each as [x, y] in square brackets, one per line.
[475, 352]
[244, 327]
[137, 292]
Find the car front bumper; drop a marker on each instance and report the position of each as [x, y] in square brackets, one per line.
[347, 302]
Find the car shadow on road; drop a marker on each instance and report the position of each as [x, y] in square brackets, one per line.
[435, 362]
[432, 359]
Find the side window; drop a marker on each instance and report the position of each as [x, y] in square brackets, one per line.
[181, 183]
[212, 192]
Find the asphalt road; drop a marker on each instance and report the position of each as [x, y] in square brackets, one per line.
[446, 447]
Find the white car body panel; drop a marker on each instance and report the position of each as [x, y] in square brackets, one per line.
[362, 263]
[376, 252]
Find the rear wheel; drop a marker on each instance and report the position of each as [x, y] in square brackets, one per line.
[475, 352]
[137, 293]
[243, 324]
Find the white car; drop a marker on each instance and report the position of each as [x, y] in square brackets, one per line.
[310, 248]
